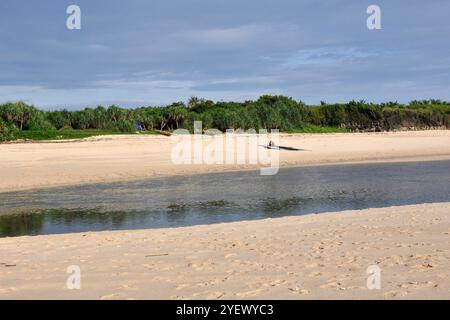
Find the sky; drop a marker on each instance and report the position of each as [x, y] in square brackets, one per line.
[140, 53]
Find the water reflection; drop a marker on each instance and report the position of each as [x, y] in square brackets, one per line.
[213, 198]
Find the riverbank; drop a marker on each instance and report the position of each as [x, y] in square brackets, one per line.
[323, 256]
[118, 158]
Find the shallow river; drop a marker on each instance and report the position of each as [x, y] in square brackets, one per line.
[221, 197]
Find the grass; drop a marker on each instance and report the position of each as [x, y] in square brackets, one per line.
[65, 134]
[311, 128]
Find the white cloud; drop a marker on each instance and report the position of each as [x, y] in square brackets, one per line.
[240, 36]
[327, 55]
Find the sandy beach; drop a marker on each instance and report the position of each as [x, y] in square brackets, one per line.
[225, 150]
[322, 256]
[118, 158]
[315, 256]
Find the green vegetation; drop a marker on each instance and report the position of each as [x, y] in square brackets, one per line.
[21, 121]
[312, 128]
[61, 134]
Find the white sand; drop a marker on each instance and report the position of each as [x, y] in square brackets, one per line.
[117, 158]
[314, 256]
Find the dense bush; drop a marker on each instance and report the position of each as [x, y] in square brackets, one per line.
[268, 112]
[125, 126]
[361, 116]
[7, 131]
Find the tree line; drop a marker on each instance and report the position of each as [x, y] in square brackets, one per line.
[267, 112]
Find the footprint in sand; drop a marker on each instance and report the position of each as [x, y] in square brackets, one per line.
[7, 290]
[199, 266]
[215, 295]
[128, 287]
[109, 296]
[276, 283]
[250, 293]
[417, 285]
[182, 286]
[392, 294]
[333, 284]
[298, 290]
[312, 265]
[209, 295]
[177, 297]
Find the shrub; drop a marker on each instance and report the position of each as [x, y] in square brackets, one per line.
[38, 121]
[125, 126]
[7, 131]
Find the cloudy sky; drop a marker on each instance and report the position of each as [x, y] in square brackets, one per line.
[140, 52]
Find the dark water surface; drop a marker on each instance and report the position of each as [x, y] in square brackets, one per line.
[221, 197]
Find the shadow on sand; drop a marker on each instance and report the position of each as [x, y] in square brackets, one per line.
[282, 148]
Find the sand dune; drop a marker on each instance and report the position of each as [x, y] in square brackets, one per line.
[315, 256]
[116, 158]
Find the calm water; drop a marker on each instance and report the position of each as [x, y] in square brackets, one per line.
[212, 198]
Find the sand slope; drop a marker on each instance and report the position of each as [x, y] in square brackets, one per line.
[314, 256]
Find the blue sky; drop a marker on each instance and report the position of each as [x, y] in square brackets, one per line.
[140, 52]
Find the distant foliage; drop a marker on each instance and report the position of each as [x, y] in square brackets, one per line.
[362, 116]
[268, 112]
